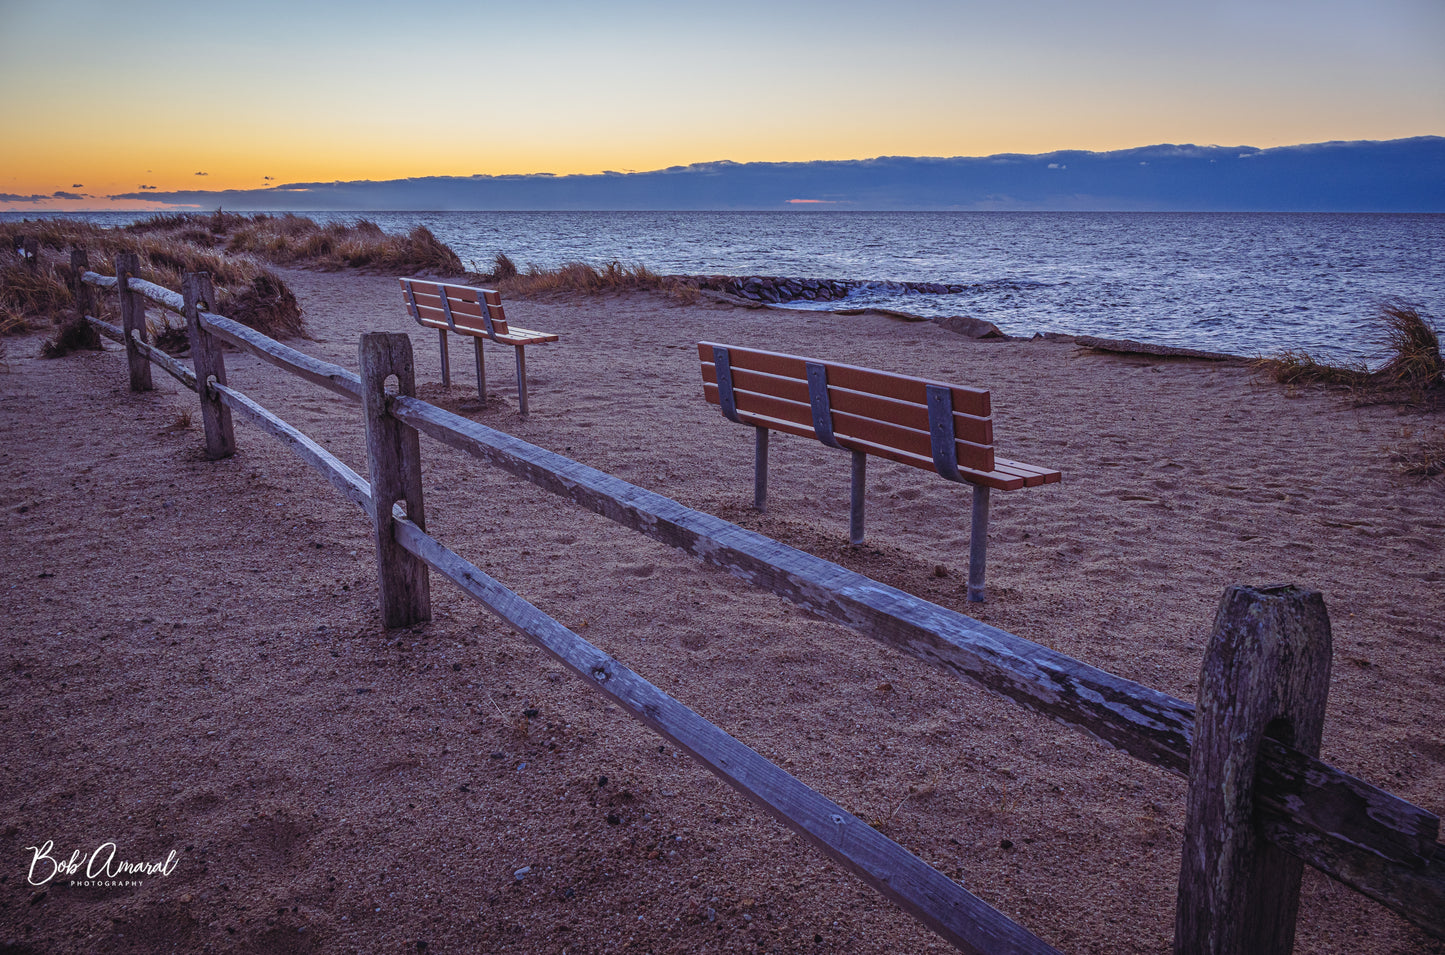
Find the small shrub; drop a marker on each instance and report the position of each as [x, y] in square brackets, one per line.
[75, 335]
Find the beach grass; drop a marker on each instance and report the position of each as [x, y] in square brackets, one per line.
[247, 290]
[296, 240]
[1413, 374]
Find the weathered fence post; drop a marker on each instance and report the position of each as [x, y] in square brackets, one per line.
[133, 318]
[1266, 672]
[79, 265]
[30, 248]
[393, 453]
[210, 363]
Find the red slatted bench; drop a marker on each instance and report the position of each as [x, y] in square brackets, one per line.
[477, 313]
[926, 424]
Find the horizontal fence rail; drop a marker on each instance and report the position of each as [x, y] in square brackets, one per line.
[1380, 845]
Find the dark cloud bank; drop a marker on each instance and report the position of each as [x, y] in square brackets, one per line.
[1403, 175]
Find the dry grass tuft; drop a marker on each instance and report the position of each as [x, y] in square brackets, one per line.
[1425, 458]
[267, 304]
[12, 322]
[1414, 374]
[31, 292]
[1415, 364]
[504, 268]
[583, 277]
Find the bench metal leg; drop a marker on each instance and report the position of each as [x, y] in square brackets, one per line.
[446, 360]
[481, 371]
[760, 471]
[855, 513]
[522, 380]
[977, 543]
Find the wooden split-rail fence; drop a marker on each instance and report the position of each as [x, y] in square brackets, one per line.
[1261, 805]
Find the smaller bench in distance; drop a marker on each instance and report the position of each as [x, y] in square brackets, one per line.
[926, 424]
[477, 313]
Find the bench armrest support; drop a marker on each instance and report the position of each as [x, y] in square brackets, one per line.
[822, 408]
[940, 432]
[726, 401]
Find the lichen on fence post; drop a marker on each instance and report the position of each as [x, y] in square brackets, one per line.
[393, 452]
[1266, 672]
[133, 320]
[210, 363]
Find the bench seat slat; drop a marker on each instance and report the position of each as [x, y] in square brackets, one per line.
[967, 428]
[973, 401]
[916, 445]
[1044, 475]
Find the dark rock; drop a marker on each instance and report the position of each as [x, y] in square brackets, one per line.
[971, 327]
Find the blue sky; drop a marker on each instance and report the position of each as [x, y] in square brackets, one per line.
[238, 96]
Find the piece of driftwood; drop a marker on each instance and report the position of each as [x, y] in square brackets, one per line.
[1124, 346]
[1266, 672]
[197, 293]
[1371, 840]
[133, 319]
[393, 453]
[917, 888]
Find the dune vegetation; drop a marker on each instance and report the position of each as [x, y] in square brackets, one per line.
[1413, 374]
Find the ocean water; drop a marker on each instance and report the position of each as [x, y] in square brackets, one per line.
[1245, 283]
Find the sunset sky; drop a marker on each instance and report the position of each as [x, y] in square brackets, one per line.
[104, 98]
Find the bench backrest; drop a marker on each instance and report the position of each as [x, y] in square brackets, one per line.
[876, 412]
[476, 311]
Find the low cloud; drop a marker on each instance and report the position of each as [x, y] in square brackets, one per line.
[60, 194]
[12, 197]
[1395, 176]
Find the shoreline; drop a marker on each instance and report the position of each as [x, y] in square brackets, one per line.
[1214, 282]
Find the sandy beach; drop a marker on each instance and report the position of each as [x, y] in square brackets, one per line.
[193, 659]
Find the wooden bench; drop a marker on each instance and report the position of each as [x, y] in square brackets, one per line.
[477, 313]
[926, 424]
